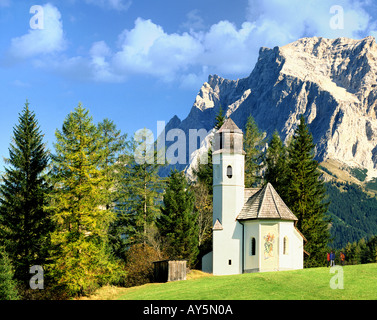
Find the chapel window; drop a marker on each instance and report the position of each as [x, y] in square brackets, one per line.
[285, 245]
[252, 247]
[229, 172]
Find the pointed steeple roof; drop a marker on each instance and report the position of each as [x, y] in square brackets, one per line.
[229, 126]
[229, 138]
[266, 204]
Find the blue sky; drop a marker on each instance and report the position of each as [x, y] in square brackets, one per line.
[137, 62]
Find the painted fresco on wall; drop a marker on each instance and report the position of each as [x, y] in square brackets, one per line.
[269, 241]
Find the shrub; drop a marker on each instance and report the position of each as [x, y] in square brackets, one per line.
[139, 265]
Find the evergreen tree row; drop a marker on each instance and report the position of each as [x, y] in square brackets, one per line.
[78, 211]
[89, 212]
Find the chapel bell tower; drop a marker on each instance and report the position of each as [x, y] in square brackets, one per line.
[228, 160]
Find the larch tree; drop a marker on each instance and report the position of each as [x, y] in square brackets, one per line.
[82, 261]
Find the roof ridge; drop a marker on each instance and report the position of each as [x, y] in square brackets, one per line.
[262, 201]
[273, 198]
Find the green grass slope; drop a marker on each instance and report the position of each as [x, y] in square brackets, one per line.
[360, 282]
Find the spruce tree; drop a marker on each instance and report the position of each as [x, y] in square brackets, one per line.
[276, 161]
[177, 222]
[24, 223]
[82, 260]
[253, 145]
[306, 195]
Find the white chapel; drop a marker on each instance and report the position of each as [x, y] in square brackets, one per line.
[253, 229]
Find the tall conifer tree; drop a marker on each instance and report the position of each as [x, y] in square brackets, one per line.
[253, 145]
[24, 223]
[82, 261]
[306, 195]
[204, 171]
[276, 160]
[142, 194]
[178, 221]
[220, 119]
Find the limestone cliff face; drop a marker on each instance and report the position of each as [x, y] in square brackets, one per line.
[333, 82]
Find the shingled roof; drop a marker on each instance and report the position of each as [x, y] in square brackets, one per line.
[265, 204]
[229, 126]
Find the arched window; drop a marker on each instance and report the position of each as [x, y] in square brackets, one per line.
[229, 172]
[252, 246]
[285, 245]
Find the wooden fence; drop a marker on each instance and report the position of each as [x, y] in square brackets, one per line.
[169, 270]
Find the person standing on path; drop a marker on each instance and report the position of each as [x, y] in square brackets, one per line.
[342, 258]
[332, 259]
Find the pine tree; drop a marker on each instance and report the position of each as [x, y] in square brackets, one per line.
[142, 188]
[24, 223]
[204, 171]
[115, 154]
[220, 119]
[253, 145]
[277, 165]
[82, 260]
[8, 290]
[306, 195]
[177, 223]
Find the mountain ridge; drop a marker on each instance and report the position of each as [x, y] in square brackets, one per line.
[332, 82]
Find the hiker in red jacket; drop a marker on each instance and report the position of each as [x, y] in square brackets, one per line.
[328, 259]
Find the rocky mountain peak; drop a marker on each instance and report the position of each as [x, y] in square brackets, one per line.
[332, 82]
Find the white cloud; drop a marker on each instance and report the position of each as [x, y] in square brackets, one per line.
[227, 49]
[187, 57]
[36, 42]
[282, 23]
[147, 49]
[99, 64]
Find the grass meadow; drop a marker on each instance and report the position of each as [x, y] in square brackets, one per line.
[359, 283]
